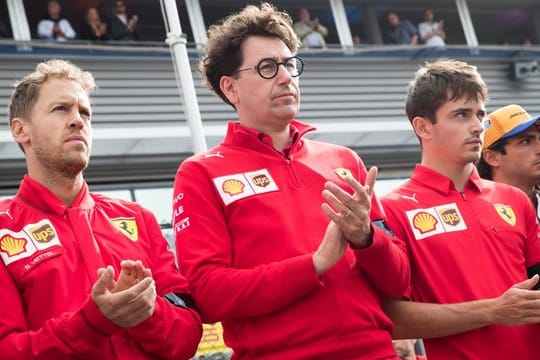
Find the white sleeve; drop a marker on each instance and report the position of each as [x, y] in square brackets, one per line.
[423, 30]
[68, 31]
[45, 29]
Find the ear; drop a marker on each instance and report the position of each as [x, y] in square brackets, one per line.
[20, 130]
[492, 157]
[227, 84]
[422, 127]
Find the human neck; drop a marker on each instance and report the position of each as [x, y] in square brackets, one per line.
[66, 188]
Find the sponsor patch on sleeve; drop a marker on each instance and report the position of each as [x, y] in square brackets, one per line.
[239, 186]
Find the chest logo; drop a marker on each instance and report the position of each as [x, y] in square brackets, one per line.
[342, 172]
[424, 222]
[12, 246]
[32, 238]
[242, 185]
[450, 216]
[435, 220]
[506, 213]
[43, 233]
[128, 227]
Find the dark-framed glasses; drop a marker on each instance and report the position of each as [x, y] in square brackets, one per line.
[268, 68]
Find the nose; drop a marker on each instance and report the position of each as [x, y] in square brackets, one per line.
[76, 120]
[283, 75]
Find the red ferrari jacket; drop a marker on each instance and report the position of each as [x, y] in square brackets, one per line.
[50, 255]
[248, 220]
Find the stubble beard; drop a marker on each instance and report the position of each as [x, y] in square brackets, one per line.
[67, 165]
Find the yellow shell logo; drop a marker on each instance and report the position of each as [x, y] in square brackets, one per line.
[506, 213]
[233, 187]
[424, 222]
[342, 172]
[12, 246]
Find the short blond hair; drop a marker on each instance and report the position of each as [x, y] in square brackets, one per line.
[26, 91]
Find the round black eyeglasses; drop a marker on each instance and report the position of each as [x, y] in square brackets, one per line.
[268, 68]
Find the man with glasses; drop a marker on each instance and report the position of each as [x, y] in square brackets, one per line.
[287, 278]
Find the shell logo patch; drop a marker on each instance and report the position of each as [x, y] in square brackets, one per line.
[17, 245]
[342, 172]
[128, 227]
[242, 185]
[12, 246]
[424, 222]
[435, 220]
[506, 213]
[233, 187]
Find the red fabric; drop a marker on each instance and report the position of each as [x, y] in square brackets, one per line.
[462, 249]
[247, 221]
[48, 313]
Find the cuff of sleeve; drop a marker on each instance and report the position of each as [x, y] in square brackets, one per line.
[154, 321]
[303, 271]
[94, 318]
[379, 244]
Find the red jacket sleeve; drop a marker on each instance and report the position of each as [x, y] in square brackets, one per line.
[385, 261]
[68, 335]
[172, 332]
[205, 256]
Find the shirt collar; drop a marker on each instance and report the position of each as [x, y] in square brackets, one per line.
[443, 184]
[38, 196]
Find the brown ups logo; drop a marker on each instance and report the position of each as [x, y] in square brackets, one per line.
[261, 180]
[43, 234]
[450, 216]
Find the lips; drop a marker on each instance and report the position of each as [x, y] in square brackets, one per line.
[77, 138]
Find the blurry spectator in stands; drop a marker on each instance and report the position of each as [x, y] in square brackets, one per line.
[120, 26]
[405, 349]
[431, 32]
[401, 31]
[525, 41]
[357, 40]
[53, 26]
[511, 152]
[93, 28]
[310, 31]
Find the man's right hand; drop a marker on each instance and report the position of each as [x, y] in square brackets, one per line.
[125, 308]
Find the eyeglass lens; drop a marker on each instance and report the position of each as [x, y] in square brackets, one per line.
[268, 68]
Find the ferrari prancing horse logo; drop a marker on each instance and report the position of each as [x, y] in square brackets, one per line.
[506, 213]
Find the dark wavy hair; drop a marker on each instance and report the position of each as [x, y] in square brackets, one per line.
[223, 52]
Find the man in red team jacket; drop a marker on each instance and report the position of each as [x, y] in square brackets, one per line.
[62, 246]
[286, 279]
[469, 240]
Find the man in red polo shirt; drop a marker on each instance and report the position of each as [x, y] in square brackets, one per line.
[469, 240]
